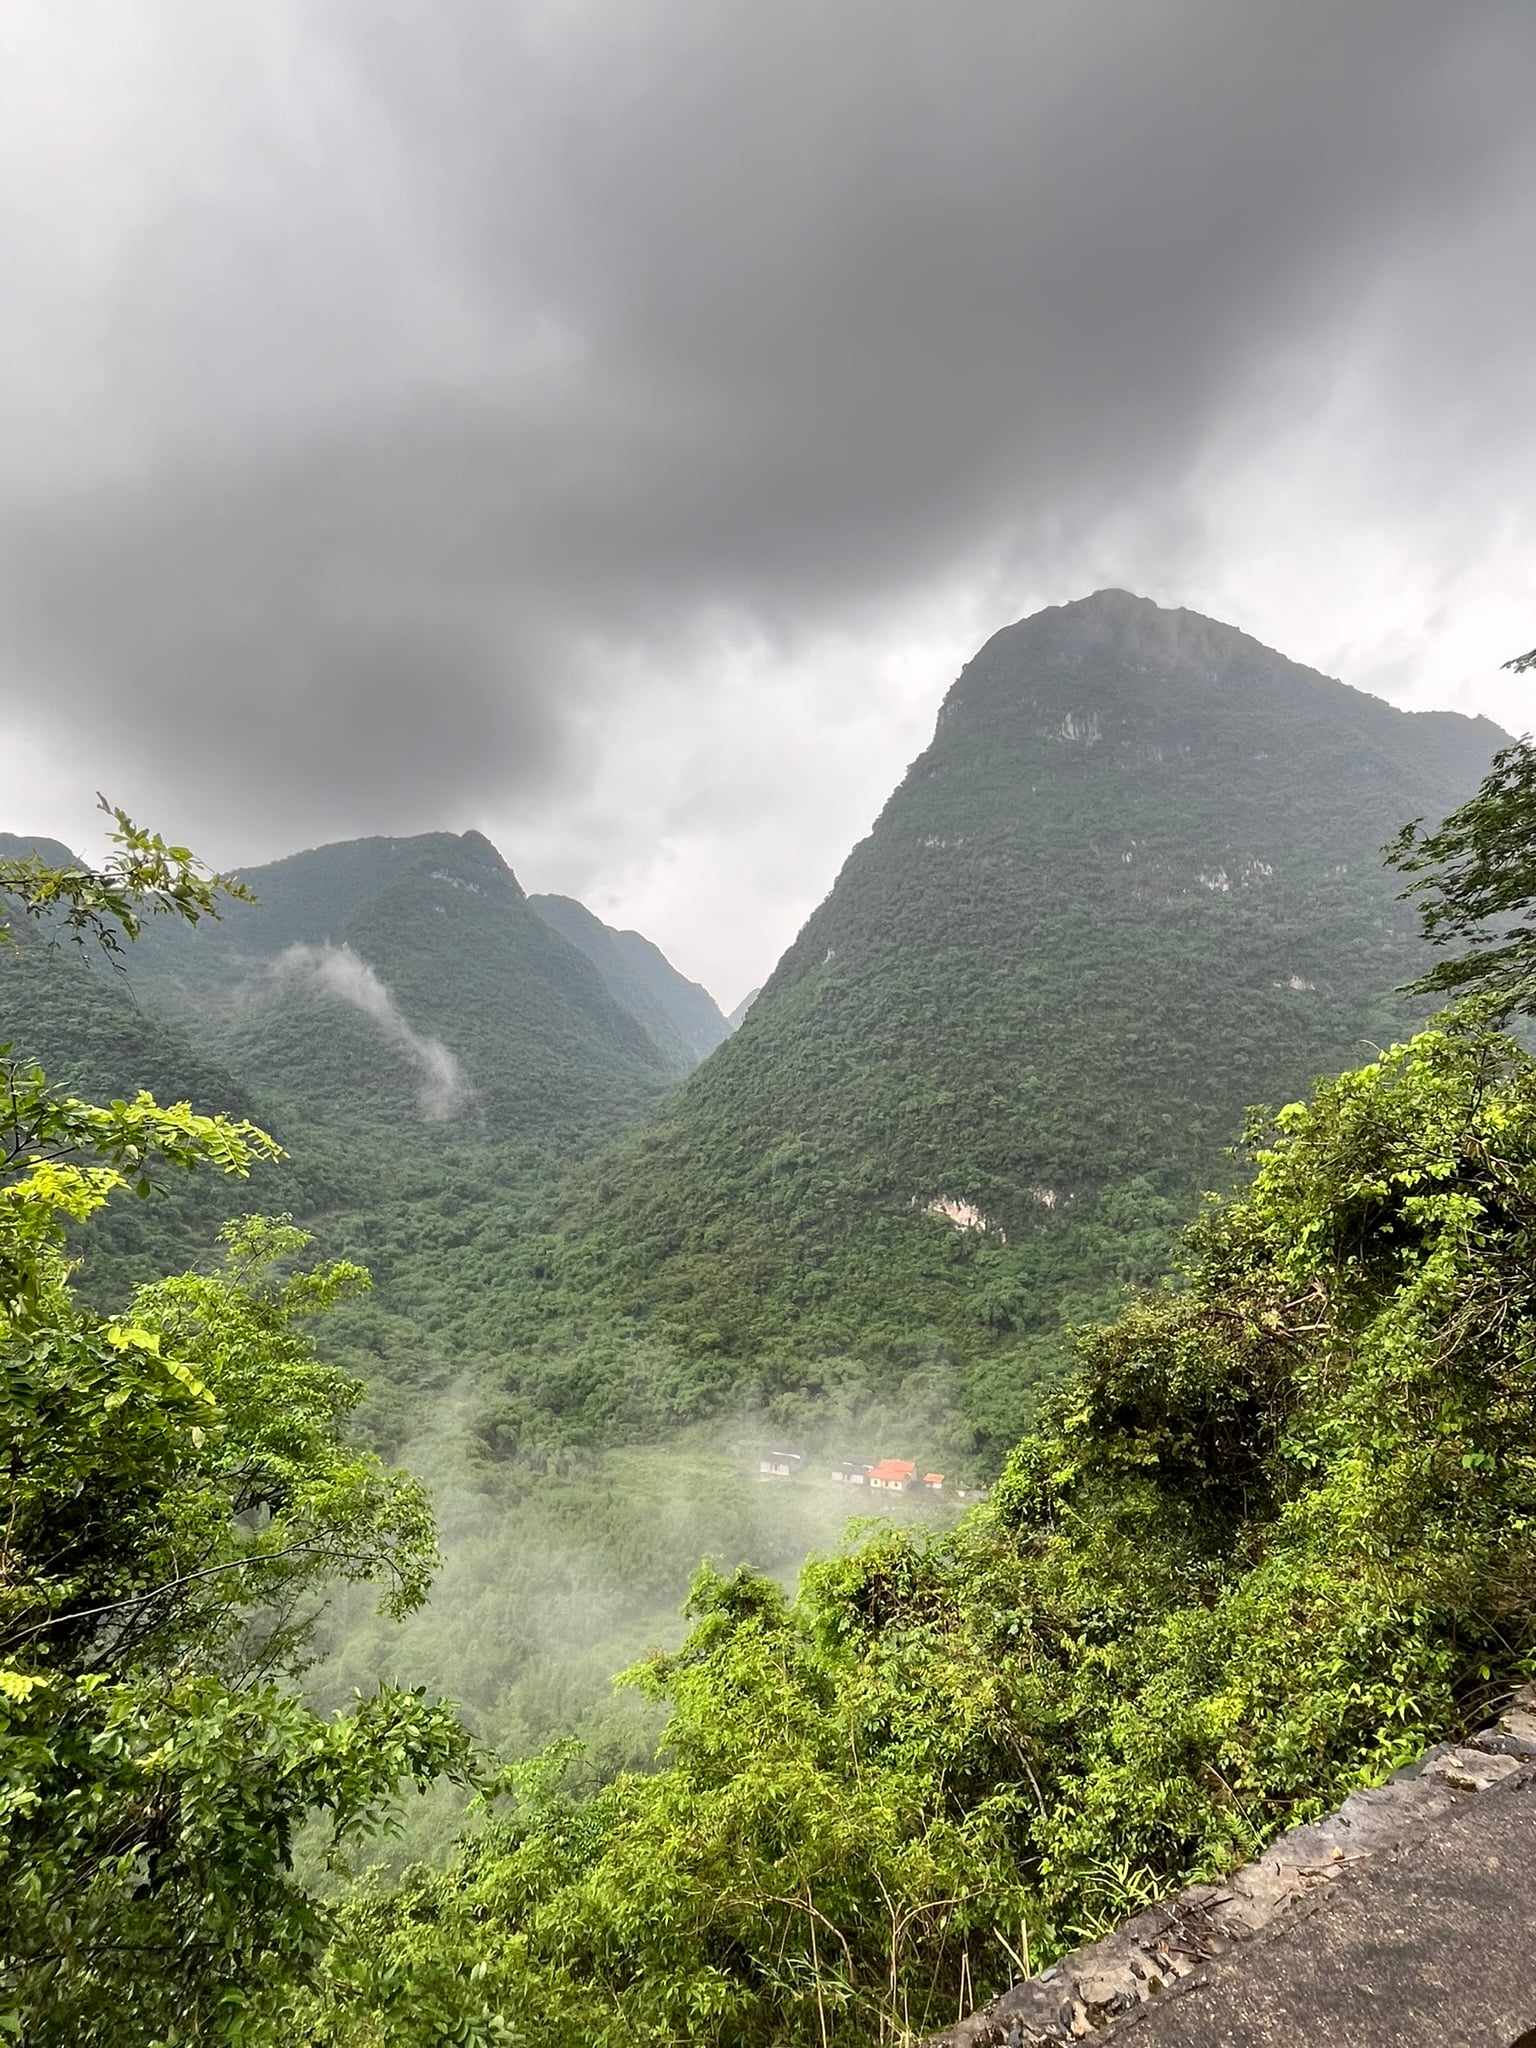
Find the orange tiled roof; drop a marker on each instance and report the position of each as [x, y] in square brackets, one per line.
[933, 1479]
[893, 1468]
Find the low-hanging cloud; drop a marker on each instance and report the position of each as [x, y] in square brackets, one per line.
[339, 972]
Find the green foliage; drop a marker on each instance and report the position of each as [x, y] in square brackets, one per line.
[97, 1041]
[106, 906]
[556, 1574]
[1277, 1532]
[545, 1051]
[1130, 889]
[425, 1189]
[176, 1493]
[679, 1016]
[1476, 886]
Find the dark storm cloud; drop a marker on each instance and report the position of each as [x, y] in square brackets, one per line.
[438, 351]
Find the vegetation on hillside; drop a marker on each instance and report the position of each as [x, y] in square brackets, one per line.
[1277, 1533]
[1133, 887]
[545, 1053]
[681, 1018]
[431, 1053]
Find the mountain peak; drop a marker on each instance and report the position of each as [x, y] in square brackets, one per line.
[1132, 887]
[1113, 600]
[1128, 624]
[1128, 673]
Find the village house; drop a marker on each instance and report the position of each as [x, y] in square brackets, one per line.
[934, 1481]
[779, 1464]
[850, 1472]
[892, 1475]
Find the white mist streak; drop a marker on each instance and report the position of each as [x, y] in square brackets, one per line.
[338, 971]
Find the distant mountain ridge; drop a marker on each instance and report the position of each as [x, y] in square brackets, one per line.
[1132, 886]
[738, 1015]
[682, 1018]
[19, 846]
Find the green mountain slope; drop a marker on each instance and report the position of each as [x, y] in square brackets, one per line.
[406, 982]
[79, 1014]
[683, 1020]
[1131, 888]
[421, 1041]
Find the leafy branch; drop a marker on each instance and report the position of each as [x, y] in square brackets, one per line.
[105, 907]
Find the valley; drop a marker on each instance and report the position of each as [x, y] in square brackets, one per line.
[660, 1298]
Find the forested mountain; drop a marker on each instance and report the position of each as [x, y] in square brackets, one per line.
[423, 1043]
[1270, 1542]
[412, 976]
[1133, 887]
[83, 1016]
[683, 1020]
[16, 846]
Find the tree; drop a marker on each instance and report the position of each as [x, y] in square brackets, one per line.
[1476, 882]
[177, 1489]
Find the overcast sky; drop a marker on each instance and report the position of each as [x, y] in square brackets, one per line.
[611, 424]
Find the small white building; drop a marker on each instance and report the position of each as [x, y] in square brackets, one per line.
[779, 1464]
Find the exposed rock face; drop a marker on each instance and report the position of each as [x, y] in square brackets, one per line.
[1432, 1864]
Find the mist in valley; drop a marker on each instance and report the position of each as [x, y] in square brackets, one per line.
[560, 1573]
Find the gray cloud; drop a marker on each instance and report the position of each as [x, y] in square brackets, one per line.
[414, 397]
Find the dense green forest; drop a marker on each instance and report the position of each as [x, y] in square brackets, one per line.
[683, 1019]
[1260, 1527]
